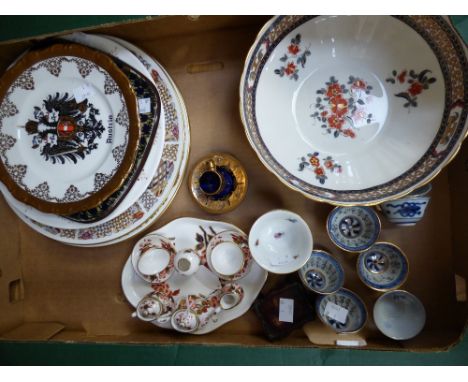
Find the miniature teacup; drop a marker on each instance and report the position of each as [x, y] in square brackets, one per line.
[154, 307]
[407, 211]
[228, 255]
[217, 181]
[153, 258]
[187, 262]
[231, 295]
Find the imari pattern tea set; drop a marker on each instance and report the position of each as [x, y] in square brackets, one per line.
[94, 143]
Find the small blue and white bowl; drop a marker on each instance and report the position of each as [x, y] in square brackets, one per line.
[399, 315]
[407, 211]
[343, 311]
[322, 273]
[353, 229]
[383, 267]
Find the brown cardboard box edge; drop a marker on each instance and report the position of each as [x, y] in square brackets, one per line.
[43, 282]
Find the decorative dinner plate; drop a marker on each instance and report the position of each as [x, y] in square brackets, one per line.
[149, 110]
[149, 166]
[69, 128]
[195, 233]
[163, 186]
[355, 110]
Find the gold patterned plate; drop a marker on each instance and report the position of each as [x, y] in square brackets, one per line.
[355, 110]
[163, 186]
[69, 128]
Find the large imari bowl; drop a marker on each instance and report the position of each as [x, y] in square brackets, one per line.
[355, 110]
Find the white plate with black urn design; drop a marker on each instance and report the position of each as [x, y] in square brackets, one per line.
[69, 128]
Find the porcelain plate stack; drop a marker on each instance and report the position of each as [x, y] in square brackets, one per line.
[94, 139]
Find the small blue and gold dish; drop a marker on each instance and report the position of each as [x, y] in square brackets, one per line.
[407, 211]
[353, 229]
[343, 311]
[383, 267]
[218, 183]
[322, 273]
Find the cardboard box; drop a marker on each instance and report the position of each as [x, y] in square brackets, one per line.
[50, 291]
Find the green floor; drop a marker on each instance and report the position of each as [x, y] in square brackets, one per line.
[12, 27]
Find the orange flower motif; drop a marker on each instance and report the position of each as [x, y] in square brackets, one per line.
[339, 106]
[319, 171]
[359, 84]
[328, 164]
[401, 77]
[290, 68]
[314, 161]
[349, 133]
[294, 49]
[415, 88]
[334, 90]
[335, 122]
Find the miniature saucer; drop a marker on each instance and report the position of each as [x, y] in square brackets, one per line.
[353, 229]
[383, 267]
[322, 273]
[280, 241]
[343, 311]
[228, 255]
[399, 315]
[153, 258]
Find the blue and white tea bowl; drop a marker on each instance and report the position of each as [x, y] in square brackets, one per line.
[322, 273]
[353, 229]
[399, 315]
[408, 210]
[329, 306]
[383, 267]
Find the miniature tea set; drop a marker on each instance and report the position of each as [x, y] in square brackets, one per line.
[192, 276]
[94, 143]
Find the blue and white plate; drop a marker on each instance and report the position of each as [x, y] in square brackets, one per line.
[322, 273]
[353, 229]
[383, 267]
[343, 311]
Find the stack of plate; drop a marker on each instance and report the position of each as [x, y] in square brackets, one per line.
[94, 139]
